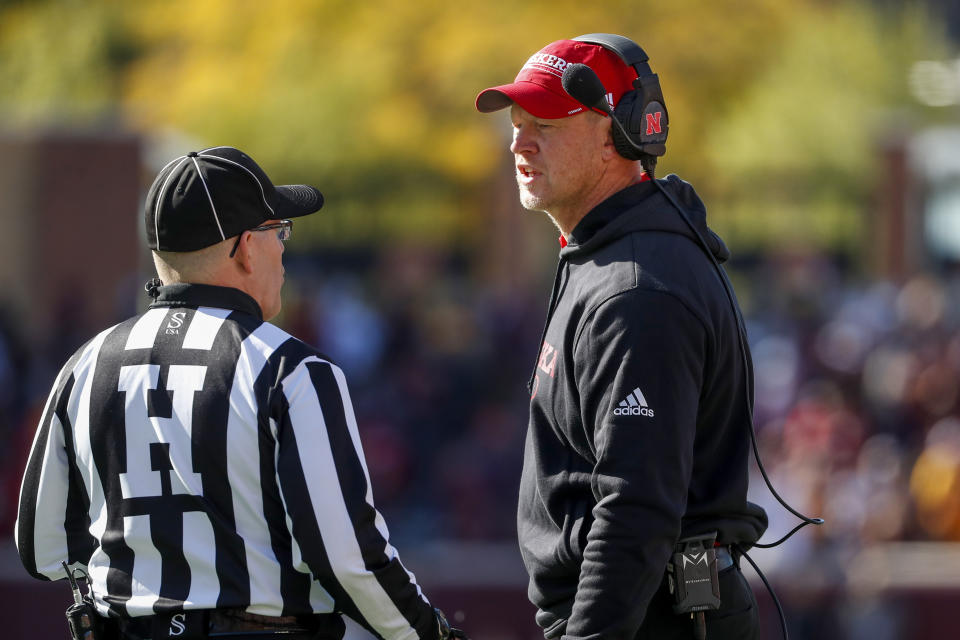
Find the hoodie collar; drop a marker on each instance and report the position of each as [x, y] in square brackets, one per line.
[642, 207]
[602, 214]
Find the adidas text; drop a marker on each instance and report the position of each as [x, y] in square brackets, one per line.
[633, 411]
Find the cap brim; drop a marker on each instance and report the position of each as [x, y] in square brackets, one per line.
[295, 200]
[533, 98]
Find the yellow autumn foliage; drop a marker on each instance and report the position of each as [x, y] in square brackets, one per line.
[373, 101]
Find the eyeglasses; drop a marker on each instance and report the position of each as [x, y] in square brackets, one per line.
[284, 229]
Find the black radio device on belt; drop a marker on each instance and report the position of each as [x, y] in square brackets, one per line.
[82, 617]
[692, 575]
[693, 579]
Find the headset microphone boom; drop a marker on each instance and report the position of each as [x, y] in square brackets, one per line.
[584, 85]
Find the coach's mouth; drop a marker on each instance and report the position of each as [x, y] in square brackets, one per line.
[525, 171]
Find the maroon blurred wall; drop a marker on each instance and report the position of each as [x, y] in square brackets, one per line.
[69, 207]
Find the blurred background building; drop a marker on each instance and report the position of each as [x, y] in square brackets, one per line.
[823, 136]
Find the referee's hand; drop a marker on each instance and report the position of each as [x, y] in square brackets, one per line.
[445, 631]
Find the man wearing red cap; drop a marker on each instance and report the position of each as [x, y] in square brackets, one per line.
[638, 437]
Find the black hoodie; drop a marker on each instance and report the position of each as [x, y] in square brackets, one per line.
[639, 429]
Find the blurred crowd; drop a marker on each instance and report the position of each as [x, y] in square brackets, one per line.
[857, 393]
[858, 400]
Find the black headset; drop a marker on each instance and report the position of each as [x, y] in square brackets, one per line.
[642, 112]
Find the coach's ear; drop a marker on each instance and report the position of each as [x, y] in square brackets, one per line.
[609, 150]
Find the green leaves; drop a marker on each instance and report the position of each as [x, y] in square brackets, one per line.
[774, 106]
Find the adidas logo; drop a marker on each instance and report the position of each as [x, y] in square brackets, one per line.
[634, 405]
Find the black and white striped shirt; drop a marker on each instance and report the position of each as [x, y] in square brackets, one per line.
[197, 457]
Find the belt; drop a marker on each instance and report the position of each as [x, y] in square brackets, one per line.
[229, 623]
[233, 620]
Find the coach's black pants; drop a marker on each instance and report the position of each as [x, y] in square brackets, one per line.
[736, 619]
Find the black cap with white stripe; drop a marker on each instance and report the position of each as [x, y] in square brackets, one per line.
[207, 196]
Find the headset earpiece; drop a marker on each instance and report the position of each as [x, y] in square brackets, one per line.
[624, 112]
[646, 124]
[654, 122]
[642, 112]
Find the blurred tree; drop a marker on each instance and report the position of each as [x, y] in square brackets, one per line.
[60, 62]
[799, 149]
[772, 104]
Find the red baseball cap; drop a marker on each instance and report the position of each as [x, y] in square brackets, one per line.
[537, 88]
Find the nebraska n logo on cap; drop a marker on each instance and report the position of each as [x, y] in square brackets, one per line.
[634, 405]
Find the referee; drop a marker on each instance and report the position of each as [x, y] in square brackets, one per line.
[200, 464]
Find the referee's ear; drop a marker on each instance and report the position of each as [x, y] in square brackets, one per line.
[244, 254]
